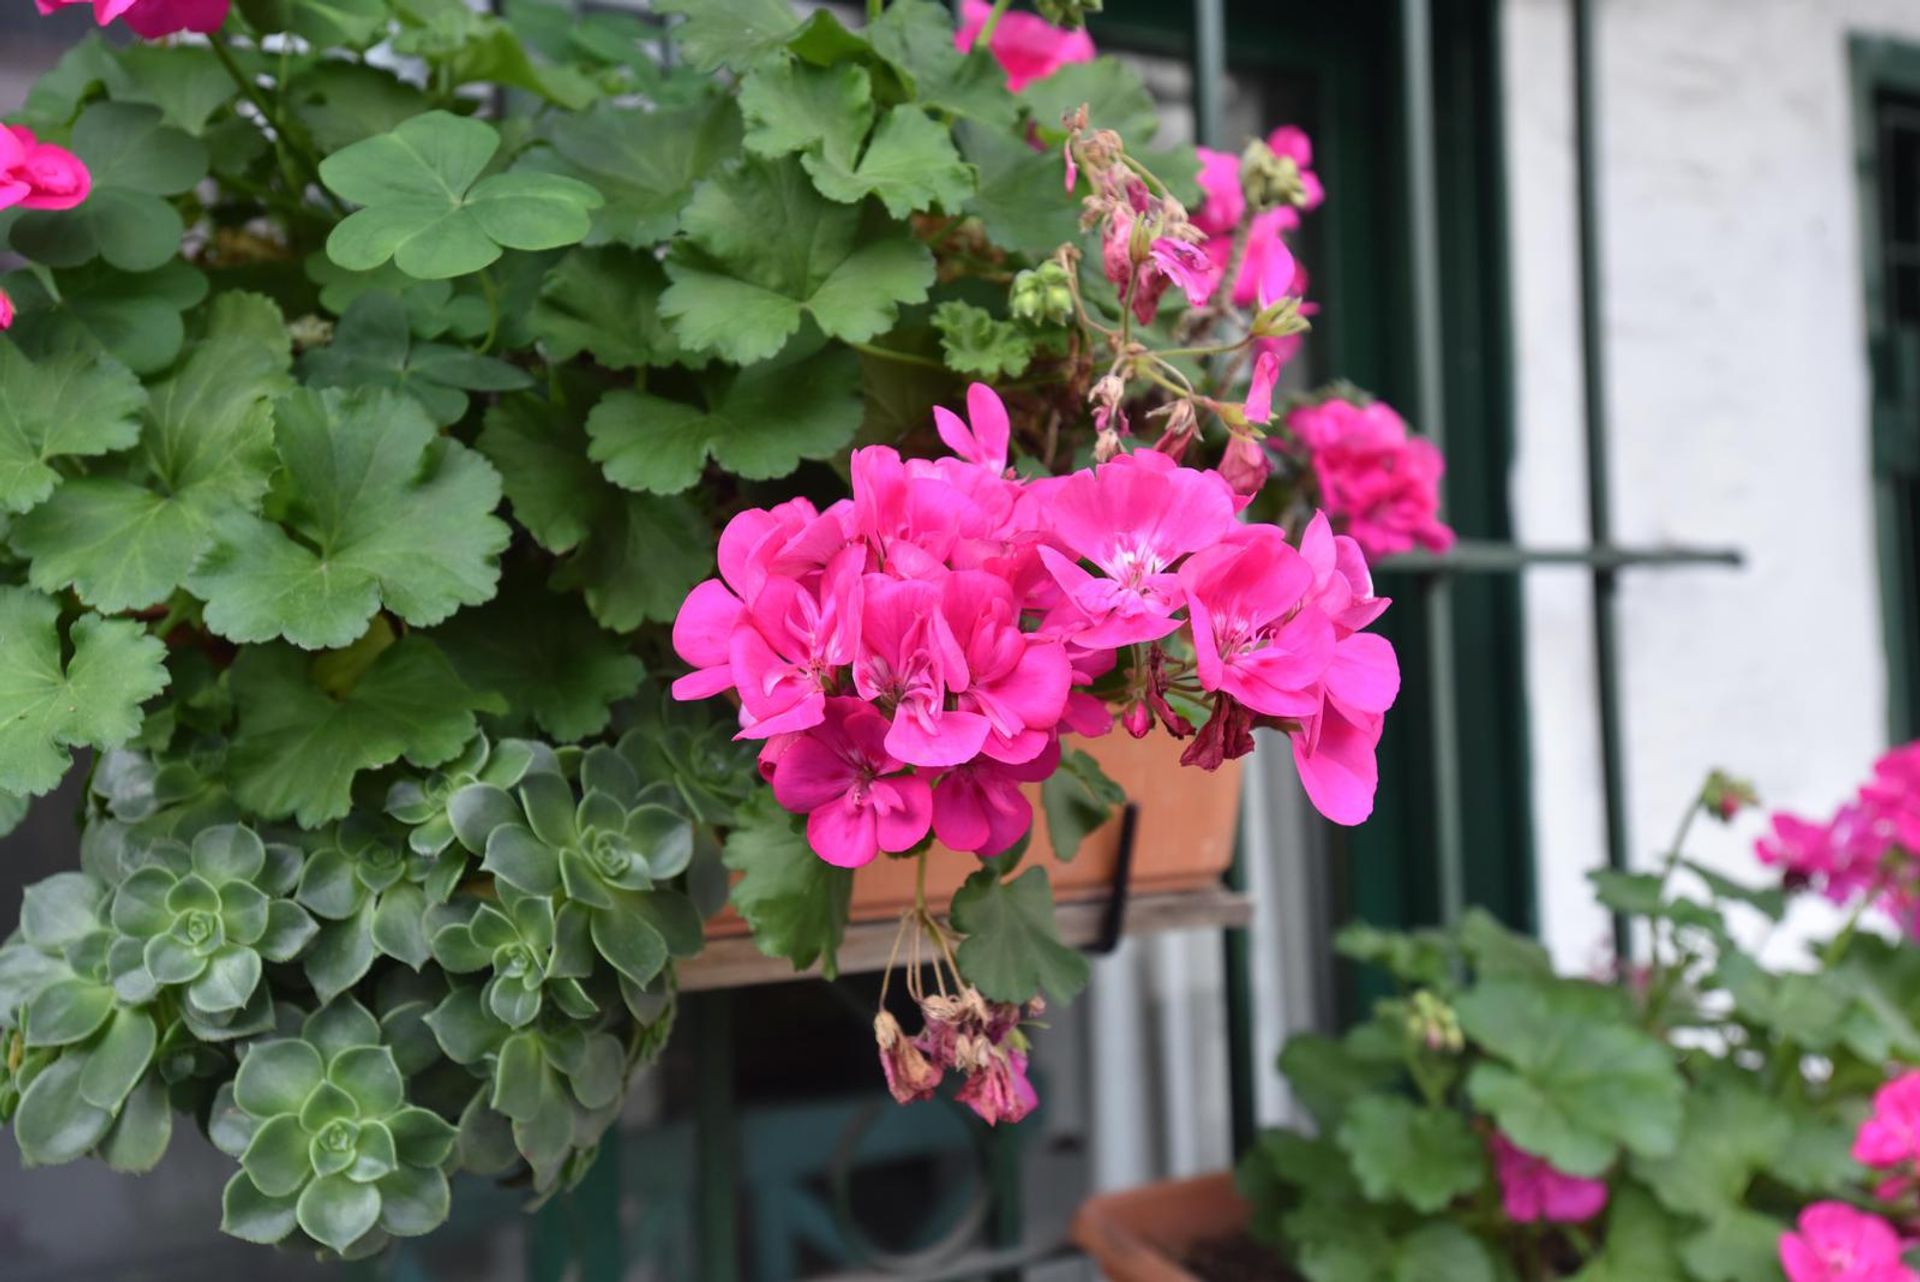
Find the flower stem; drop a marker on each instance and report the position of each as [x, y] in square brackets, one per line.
[888, 354]
[286, 142]
[984, 39]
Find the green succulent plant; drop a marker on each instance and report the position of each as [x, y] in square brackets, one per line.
[203, 918]
[531, 953]
[368, 886]
[423, 804]
[327, 1140]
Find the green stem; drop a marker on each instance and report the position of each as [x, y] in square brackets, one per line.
[904, 358]
[492, 294]
[286, 142]
[1843, 941]
[985, 38]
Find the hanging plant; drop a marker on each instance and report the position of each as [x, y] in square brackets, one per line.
[486, 491]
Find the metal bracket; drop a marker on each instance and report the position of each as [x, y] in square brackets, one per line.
[1113, 923]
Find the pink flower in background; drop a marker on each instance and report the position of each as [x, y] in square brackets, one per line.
[1836, 1243]
[1252, 640]
[1224, 203]
[39, 175]
[984, 439]
[1894, 796]
[1891, 1134]
[1531, 1189]
[1027, 46]
[152, 19]
[1186, 265]
[1378, 483]
[6, 310]
[1292, 142]
[1870, 847]
[842, 778]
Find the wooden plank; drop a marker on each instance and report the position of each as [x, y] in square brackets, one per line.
[737, 963]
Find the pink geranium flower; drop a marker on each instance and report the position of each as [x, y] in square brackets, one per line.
[1531, 1189]
[1027, 46]
[1186, 265]
[39, 175]
[1836, 1243]
[983, 436]
[979, 807]
[1380, 484]
[909, 661]
[1224, 203]
[152, 19]
[6, 310]
[841, 776]
[1018, 681]
[1891, 1135]
[1252, 639]
[1133, 518]
[784, 659]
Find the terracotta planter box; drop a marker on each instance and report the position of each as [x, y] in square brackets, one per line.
[1183, 837]
[1143, 1234]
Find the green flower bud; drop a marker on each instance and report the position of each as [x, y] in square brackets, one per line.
[1041, 296]
[1071, 14]
[1270, 180]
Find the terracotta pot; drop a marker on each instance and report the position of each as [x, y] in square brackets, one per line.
[1183, 837]
[1141, 1235]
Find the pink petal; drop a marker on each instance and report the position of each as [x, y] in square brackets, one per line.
[844, 833]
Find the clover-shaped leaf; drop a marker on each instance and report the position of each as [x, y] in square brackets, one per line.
[380, 509]
[48, 705]
[135, 160]
[426, 207]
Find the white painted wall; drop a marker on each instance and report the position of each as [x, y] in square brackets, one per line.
[1739, 390]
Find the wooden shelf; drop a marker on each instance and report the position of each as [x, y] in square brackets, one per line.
[735, 962]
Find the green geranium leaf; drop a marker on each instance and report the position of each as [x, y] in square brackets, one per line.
[1115, 96]
[185, 82]
[1443, 1253]
[541, 454]
[641, 557]
[909, 165]
[1077, 798]
[1640, 1243]
[758, 423]
[341, 103]
[380, 509]
[1020, 200]
[427, 208]
[1731, 1132]
[55, 1123]
[645, 164]
[730, 33]
[206, 448]
[765, 250]
[299, 747]
[1012, 948]
[135, 160]
[1736, 1246]
[790, 106]
[916, 36]
[976, 343]
[48, 706]
[1425, 1157]
[795, 902]
[1572, 1088]
[373, 347]
[543, 653]
[132, 317]
[605, 302]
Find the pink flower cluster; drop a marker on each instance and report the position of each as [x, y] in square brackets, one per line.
[1027, 46]
[1532, 1190]
[911, 656]
[1869, 847]
[1267, 268]
[1379, 483]
[152, 19]
[1836, 1243]
[965, 1034]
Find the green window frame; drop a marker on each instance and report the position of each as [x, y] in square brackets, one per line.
[1886, 117]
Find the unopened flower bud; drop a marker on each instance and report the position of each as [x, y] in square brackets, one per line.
[1724, 796]
[1280, 319]
[1071, 14]
[1433, 1024]
[1269, 179]
[1137, 720]
[1041, 295]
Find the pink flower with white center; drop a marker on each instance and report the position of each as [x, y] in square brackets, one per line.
[1379, 483]
[1017, 680]
[1533, 1191]
[1027, 46]
[1891, 1135]
[39, 175]
[152, 19]
[1252, 638]
[1836, 1243]
[984, 439]
[978, 807]
[908, 662]
[790, 644]
[842, 778]
[1134, 519]
[1225, 203]
[6, 310]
